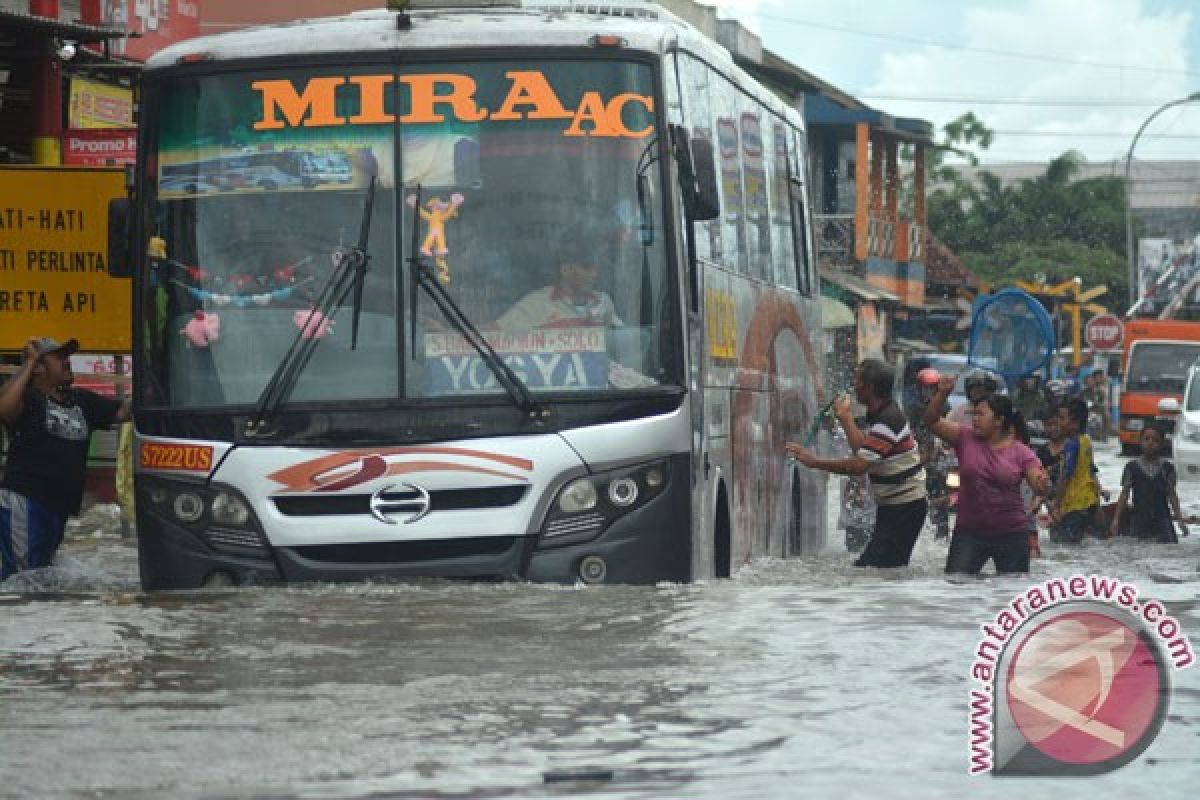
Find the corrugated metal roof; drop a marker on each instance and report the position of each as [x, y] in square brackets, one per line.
[1156, 184]
[857, 286]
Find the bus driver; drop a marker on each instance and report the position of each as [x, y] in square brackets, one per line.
[570, 303]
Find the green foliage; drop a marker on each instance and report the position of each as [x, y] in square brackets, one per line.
[1051, 224]
[1055, 261]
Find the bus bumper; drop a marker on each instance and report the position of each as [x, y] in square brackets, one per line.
[649, 544]
[646, 546]
[170, 557]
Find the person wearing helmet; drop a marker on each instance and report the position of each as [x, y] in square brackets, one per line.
[1056, 392]
[979, 384]
[1029, 399]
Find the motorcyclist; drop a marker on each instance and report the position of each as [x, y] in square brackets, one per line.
[1095, 394]
[1029, 399]
[1056, 394]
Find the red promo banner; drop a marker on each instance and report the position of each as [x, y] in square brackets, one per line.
[98, 147]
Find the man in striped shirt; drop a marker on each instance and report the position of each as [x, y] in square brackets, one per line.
[887, 452]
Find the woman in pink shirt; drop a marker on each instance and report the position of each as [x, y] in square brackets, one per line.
[992, 522]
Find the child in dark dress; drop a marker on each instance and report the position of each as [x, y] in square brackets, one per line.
[1151, 479]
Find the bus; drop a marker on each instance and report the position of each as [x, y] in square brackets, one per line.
[1155, 363]
[405, 374]
[251, 170]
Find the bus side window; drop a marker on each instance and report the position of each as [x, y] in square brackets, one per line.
[784, 244]
[804, 265]
[727, 107]
[696, 81]
[754, 181]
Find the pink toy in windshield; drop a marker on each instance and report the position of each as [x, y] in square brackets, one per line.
[313, 323]
[202, 329]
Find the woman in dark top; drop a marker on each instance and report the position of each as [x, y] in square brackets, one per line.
[1151, 479]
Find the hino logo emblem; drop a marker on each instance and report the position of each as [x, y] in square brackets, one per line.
[405, 497]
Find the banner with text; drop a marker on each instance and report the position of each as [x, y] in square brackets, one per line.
[557, 359]
[54, 277]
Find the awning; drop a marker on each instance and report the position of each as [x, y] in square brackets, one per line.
[835, 313]
[856, 286]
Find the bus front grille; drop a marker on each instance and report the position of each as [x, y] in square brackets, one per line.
[314, 505]
[406, 552]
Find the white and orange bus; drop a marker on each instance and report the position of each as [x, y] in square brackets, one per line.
[325, 389]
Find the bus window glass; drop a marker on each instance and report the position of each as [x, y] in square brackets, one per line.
[544, 220]
[783, 244]
[533, 191]
[727, 105]
[804, 262]
[249, 211]
[697, 81]
[754, 173]
[1160, 367]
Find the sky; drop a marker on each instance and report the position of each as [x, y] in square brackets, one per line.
[1047, 76]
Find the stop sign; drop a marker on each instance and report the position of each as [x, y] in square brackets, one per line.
[1104, 332]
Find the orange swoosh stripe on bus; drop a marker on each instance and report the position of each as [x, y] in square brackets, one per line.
[305, 475]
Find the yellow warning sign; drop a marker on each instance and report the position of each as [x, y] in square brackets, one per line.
[54, 277]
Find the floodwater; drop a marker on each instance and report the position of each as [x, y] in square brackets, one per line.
[804, 677]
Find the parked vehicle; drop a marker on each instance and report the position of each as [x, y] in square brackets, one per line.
[1158, 354]
[1187, 431]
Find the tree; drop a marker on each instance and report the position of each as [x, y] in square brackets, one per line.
[1053, 224]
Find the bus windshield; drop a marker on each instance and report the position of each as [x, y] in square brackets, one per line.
[532, 190]
[1160, 367]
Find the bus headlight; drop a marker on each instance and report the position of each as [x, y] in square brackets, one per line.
[623, 492]
[188, 507]
[228, 509]
[584, 507]
[578, 495]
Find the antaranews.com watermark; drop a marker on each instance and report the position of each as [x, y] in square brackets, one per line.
[1072, 678]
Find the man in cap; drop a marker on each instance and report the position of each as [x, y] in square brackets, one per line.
[49, 424]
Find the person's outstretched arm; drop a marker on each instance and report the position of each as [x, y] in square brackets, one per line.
[940, 426]
[12, 394]
[845, 417]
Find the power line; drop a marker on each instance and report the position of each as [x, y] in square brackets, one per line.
[967, 48]
[1013, 101]
[1097, 134]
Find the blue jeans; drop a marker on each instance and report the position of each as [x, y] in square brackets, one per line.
[969, 552]
[30, 533]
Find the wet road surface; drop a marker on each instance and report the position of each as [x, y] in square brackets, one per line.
[799, 677]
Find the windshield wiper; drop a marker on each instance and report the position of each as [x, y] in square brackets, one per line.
[424, 276]
[349, 272]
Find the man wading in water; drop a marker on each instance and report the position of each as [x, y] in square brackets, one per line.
[887, 451]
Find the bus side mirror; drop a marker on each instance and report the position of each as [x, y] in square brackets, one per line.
[697, 175]
[706, 203]
[119, 265]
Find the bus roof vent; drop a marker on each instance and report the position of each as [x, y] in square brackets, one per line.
[633, 9]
